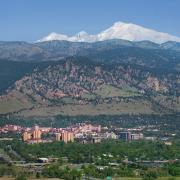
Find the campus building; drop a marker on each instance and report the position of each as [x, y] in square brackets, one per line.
[67, 136]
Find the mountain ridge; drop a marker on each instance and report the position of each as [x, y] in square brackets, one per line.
[57, 50]
[119, 30]
[67, 86]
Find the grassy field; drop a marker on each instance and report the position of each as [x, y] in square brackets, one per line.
[13, 102]
[88, 96]
[130, 107]
[111, 91]
[24, 105]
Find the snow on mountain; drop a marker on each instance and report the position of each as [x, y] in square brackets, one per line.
[82, 37]
[118, 30]
[54, 36]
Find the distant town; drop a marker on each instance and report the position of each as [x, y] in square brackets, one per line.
[81, 132]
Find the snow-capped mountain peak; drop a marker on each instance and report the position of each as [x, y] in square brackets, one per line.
[118, 30]
[54, 36]
[82, 36]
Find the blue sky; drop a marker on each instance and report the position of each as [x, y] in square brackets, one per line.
[29, 20]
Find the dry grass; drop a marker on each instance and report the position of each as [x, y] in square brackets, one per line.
[131, 107]
[17, 101]
[14, 101]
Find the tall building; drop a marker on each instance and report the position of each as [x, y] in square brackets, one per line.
[34, 136]
[67, 136]
[36, 133]
[58, 136]
[26, 136]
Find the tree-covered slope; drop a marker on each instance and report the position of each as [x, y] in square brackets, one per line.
[82, 86]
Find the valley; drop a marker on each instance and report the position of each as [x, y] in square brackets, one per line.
[89, 90]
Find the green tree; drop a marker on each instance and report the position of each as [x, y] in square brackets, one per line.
[150, 175]
[38, 175]
[21, 177]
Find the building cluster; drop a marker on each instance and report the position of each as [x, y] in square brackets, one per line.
[130, 136]
[65, 136]
[86, 133]
[10, 128]
[81, 132]
[33, 135]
